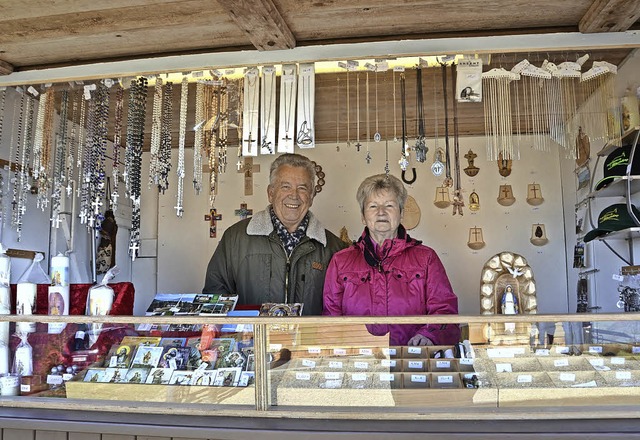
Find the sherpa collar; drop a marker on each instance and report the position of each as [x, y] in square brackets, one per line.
[260, 224]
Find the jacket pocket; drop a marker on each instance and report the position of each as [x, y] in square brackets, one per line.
[411, 290]
[356, 297]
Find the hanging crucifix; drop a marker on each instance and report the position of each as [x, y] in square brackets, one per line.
[212, 218]
[243, 212]
[248, 169]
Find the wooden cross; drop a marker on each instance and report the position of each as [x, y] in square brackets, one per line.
[243, 212]
[248, 169]
[212, 217]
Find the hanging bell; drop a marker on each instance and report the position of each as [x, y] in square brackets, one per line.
[534, 194]
[442, 197]
[474, 202]
[475, 238]
[505, 195]
[538, 235]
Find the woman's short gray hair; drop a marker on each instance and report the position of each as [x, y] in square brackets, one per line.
[377, 183]
[294, 160]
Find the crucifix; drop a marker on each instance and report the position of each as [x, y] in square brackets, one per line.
[243, 212]
[55, 221]
[249, 142]
[134, 250]
[96, 205]
[248, 169]
[212, 217]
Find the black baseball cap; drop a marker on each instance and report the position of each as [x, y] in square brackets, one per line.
[616, 165]
[611, 219]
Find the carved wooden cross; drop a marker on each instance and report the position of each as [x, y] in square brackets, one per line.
[212, 218]
[243, 212]
[248, 169]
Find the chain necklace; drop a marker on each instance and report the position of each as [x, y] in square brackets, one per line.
[70, 160]
[458, 200]
[223, 126]
[376, 136]
[117, 146]
[337, 113]
[304, 137]
[184, 97]
[156, 133]
[421, 147]
[80, 147]
[395, 108]
[16, 217]
[38, 167]
[213, 97]
[239, 102]
[358, 144]
[288, 103]
[448, 181]
[404, 161]
[368, 156]
[59, 166]
[348, 113]
[198, 142]
[251, 102]
[85, 186]
[164, 154]
[25, 186]
[267, 113]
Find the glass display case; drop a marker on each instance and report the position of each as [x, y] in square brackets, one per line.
[262, 365]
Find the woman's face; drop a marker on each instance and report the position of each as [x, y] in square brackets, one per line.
[382, 214]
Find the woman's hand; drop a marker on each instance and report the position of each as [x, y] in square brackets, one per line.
[420, 340]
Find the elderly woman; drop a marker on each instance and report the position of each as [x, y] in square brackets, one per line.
[389, 273]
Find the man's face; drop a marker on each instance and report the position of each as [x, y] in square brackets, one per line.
[291, 195]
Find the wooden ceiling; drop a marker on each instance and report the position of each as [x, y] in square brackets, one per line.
[50, 34]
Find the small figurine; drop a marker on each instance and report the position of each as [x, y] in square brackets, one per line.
[509, 307]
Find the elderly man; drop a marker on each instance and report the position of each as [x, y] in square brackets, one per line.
[279, 255]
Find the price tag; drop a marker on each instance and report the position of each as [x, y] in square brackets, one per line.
[562, 349]
[197, 74]
[524, 378]
[390, 363]
[392, 351]
[617, 361]
[25, 388]
[332, 384]
[635, 350]
[398, 68]
[542, 352]
[308, 363]
[443, 364]
[500, 353]
[339, 352]
[561, 362]
[275, 347]
[54, 379]
[361, 365]
[335, 364]
[422, 378]
[445, 379]
[597, 349]
[617, 277]
[596, 362]
[567, 377]
[623, 375]
[503, 368]
[366, 351]
[387, 377]
[331, 375]
[302, 375]
[314, 350]
[358, 377]
[415, 350]
[415, 365]
[67, 376]
[466, 361]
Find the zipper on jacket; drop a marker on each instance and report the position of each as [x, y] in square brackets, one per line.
[286, 278]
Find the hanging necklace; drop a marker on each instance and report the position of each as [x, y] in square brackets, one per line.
[437, 167]
[421, 146]
[404, 161]
[337, 113]
[287, 100]
[117, 146]
[458, 200]
[198, 142]
[223, 126]
[395, 107]
[368, 156]
[267, 113]
[376, 136]
[448, 181]
[348, 112]
[304, 137]
[251, 111]
[358, 144]
[59, 163]
[184, 95]
[164, 153]
[156, 133]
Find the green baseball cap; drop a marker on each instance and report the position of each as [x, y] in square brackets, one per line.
[616, 165]
[611, 219]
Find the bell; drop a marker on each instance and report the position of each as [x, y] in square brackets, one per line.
[538, 235]
[442, 197]
[534, 194]
[475, 238]
[505, 195]
[474, 202]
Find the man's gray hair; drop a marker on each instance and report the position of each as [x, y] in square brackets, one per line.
[380, 182]
[294, 160]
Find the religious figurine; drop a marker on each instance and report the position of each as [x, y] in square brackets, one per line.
[471, 170]
[509, 307]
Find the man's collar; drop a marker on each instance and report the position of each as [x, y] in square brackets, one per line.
[260, 224]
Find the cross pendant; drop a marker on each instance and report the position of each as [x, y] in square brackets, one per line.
[134, 250]
[286, 137]
[249, 142]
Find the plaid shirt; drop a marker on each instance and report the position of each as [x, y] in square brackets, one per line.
[289, 240]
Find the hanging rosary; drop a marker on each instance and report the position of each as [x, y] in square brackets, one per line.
[198, 142]
[458, 200]
[404, 161]
[117, 146]
[164, 153]
[268, 120]
[368, 156]
[448, 181]
[358, 144]
[19, 178]
[421, 145]
[59, 166]
[184, 95]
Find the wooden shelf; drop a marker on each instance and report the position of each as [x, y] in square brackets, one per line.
[626, 137]
[618, 188]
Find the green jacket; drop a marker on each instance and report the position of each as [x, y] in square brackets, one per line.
[250, 261]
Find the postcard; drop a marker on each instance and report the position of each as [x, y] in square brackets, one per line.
[94, 375]
[137, 375]
[174, 342]
[174, 357]
[159, 376]
[152, 341]
[181, 377]
[120, 356]
[147, 356]
[115, 375]
[227, 377]
[204, 377]
[232, 359]
[247, 378]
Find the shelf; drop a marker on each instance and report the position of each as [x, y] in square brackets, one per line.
[618, 188]
[610, 146]
[625, 234]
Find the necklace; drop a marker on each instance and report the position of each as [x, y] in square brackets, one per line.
[251, 102]
[59, 165]
[287, 100]
[117, 146]
[368, 156]
[268, 125]
[156, 133]
[198, 141]
[404, 161]
[376, 136]
[348, 112]
[421, 146]
[458, 201]
[358, 144]
[304, 138]
[395, 107]
[164, 153]
[184, 95]
[448, 181]
[337, 113]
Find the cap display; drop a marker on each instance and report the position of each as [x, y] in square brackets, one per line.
[616, 166]
[611, 219]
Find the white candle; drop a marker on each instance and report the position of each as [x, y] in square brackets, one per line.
[4, 358]
[58, 305]
[4, 326]
[10, 385]
[25, 305]
[100, 300]
[24, 360]
[5, 295]
[59, 270]
[5, 269]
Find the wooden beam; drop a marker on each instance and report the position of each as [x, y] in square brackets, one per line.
[261, 22]
[610, 16]
[5, 68]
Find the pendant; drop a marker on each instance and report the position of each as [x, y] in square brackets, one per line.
[377, 137]
[437, 168]
[421, 149]
[403, 162]
[368, 157]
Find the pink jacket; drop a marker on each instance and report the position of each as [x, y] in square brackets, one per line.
[410, 280]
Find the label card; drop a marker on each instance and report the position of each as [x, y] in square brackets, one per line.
[561, 362]
[524, 378]
[445, 379]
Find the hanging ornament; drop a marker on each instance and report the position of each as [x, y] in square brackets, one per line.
[497, 84]
[471, 170]
[475, 241]
[538, 235]
[442, 197]
[437, 168]
[505, 195]
[534, 194]
[411, 214]
[421, 143]
[404, 160]
[474, 202]
[504, 165]
[583, 147]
